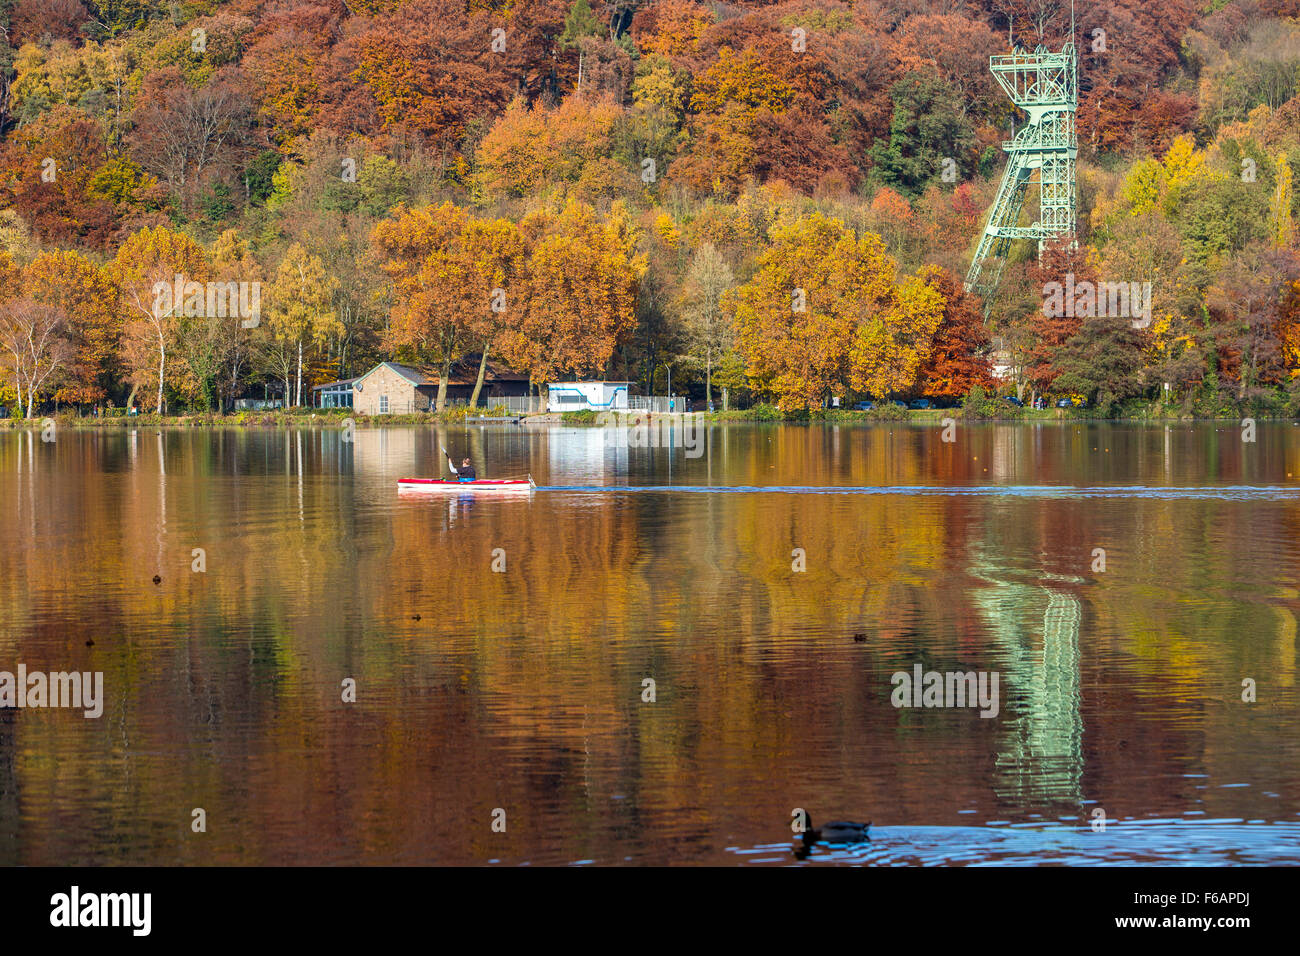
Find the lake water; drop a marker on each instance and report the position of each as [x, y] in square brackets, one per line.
[519, 694]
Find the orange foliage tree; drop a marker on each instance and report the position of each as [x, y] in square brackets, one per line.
[529, 149]
[451, 278]
[150, 301]
[83, 293]
[579, 294]
[432, 68]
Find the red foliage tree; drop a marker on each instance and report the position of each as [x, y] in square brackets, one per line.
[44, 20]
[193, 139]
[432, 68]
[300, 76]
[1067, 265]
[1126, 49]
[49, 166]
[959, 350]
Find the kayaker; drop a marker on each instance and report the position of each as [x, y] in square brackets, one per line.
[465, 472]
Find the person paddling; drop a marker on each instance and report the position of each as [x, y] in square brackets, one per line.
[465, 472]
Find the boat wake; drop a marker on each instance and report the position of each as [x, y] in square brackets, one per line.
[1154, 842]
[1209, 492]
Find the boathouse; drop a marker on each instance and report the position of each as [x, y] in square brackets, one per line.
[391, 388]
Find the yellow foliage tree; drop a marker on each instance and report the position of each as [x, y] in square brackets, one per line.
[1152, 184]
[1143, 186]
[678, 28]
[301, 314]
[893, 340]
[728, 98]
[824, 311]
[1281, 225]
[1288, 325]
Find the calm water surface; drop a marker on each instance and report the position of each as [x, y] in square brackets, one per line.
[1121, 690]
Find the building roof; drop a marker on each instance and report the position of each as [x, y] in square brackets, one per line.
[338, 384]
[464, 372]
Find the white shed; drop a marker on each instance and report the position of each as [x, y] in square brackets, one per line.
[579, 396]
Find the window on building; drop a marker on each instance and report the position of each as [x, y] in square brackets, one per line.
[383, 404]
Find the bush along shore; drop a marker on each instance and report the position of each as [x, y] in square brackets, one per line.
[980, 405]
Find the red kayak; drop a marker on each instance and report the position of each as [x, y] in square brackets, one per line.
[497, 485]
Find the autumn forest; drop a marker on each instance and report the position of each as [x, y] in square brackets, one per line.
[774, 202]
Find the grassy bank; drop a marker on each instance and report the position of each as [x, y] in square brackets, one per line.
[992, 411]
[299, 418]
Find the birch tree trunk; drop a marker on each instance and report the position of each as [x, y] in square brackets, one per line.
[162, 365]
[443, 374]
[708, 377]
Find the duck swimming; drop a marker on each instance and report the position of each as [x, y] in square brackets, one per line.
[842, 831]
[838, 831]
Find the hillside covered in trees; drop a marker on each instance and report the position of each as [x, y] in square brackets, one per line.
[778, 200]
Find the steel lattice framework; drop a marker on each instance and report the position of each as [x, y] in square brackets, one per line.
[1046, 86]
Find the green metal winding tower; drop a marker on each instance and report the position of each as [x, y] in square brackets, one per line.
[1046, 86]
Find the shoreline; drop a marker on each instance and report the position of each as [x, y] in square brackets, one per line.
[335, 419]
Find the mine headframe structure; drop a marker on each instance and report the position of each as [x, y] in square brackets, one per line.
[1046, 86]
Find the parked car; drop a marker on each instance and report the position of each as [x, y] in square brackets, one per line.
[920, 403]
[864, 406]
[1064, 403]
[1014, 401]
[900, 404]
[1040, 402]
